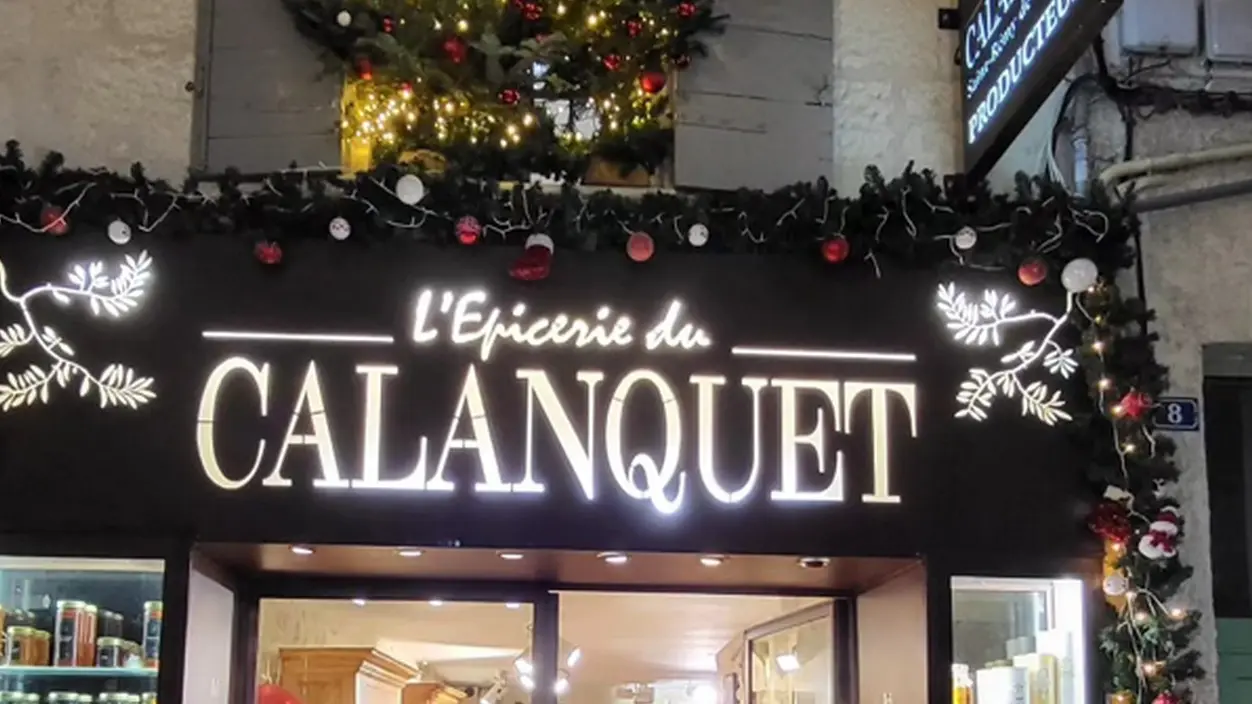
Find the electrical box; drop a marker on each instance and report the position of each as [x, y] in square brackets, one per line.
[1228, 28]
[1160, 27]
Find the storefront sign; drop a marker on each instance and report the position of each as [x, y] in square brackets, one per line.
[599, 447]
[1013, 54]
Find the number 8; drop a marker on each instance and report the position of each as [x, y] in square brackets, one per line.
[1173, 413]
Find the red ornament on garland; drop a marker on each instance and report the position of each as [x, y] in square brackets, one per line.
[532, 11]
[652, 82]
[455, 49]
[1032, 271]
[535, 264]
[510, 96]
[686, 10]
[1134, 405]
[268, 253]
[612, 62]
[389, 24]
[640, 247]
[468, 230]
[1110, 521]
[634, 26]
[364, 69]
[1167, 698]
[53, 221]
[836, 249]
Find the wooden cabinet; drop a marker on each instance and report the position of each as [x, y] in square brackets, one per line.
[344, 676]
[432, 693]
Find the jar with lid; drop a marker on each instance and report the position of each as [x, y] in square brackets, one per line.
[110, 625]
[153, 616]
[43, 647]
[21, 647]
[148, 698]
[12, 698]
[72, 620]
[111, 652]
[64, 698]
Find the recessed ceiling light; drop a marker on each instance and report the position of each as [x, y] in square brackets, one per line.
[788, 662]
[510, 555]
[512, 605]
[813, 563]
[712, 560]
[614, 558]
[436, 602]
[359, 602]
[409, 552]
[302, 550]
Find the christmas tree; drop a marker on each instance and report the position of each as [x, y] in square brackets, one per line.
[504, 88]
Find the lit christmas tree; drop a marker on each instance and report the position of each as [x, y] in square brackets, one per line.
[510, 87]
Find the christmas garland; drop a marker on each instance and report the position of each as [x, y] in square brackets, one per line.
[1040, 233]
[511, 87]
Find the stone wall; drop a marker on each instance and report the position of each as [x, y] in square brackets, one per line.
[103, 81]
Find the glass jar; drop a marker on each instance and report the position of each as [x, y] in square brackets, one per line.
[64, 698]
[86, 654]
[153, 617]
[111, 652]
[148, 698]
[71, 629]
[110, 625]
[20, 647]
[43, 647]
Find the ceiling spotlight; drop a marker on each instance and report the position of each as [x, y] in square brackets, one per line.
[788, 662]
[561, 686]
[813, 563]
[574, 656]
[524, 666]
[359, 602]
[409, 552]
[435, 602]
[528, 683]
[712, 560]
[301, 550]
[614, 558]
[512, 605]
[510, 555]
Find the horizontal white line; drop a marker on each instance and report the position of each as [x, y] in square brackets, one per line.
[298, 337]
[850, 355]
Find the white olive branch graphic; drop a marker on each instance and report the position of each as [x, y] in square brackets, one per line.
[117, 384]
[983, 322]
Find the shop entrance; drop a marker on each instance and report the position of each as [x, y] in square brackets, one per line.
[358, 625]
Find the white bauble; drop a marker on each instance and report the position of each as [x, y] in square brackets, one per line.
[410, 189]
[965, 238]
[340, 229]
[1079, 275]
[344, 18]
[1149, 549]
[698, 235]
[1116, 584]
[119, 232]
[1165, 527]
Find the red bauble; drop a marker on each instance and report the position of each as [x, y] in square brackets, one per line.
[468, 230]
[407, 89]
[1032, 271]
[640, 247]
[455, 49]
[53, 221]
[1110, 521]
[532, 11]
[1134, 405]
[652, 82]
[836, 249]
[510, 96]
[1167, 698]
[612, 62]
[634, 26]
[273, 694]
[389, 25]
[269, 253]
[364, 69]
[686, 10]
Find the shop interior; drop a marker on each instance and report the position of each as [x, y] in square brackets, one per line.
[400, 626]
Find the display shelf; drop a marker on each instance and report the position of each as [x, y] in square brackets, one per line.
[96, 672]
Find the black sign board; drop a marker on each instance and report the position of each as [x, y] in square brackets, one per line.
[696, 403]
[1013, 55]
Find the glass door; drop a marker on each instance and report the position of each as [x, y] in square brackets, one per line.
[792, 659]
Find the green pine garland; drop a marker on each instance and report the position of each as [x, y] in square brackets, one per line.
[910, 221]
